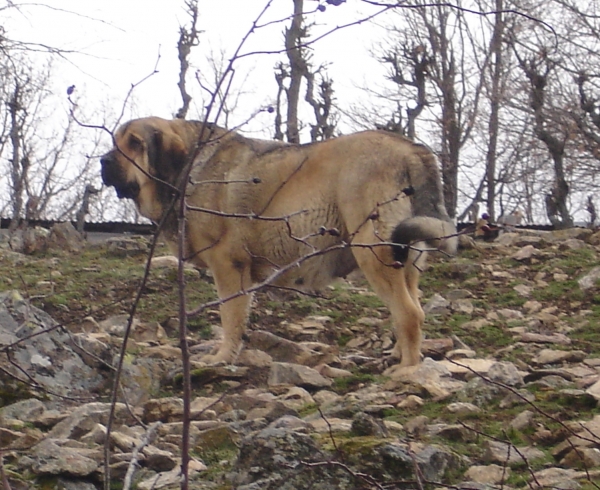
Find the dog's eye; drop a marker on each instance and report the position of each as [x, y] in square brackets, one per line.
[135, 143]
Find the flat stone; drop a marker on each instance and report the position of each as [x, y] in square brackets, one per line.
[594, 390]
[557, 338]
[285, 373]
[464, 366]
[24, 410]
[411, 402]
[550, 356]
[590, 279]
[583, 457]
[50, 458]
[331, 424]
[436, 305]
[505, 373]
[331, 372]
[171, 478]
[462, 408]
[523, 420]
[491, 474]
[502, 453]
[280, 349]
[525, 254]
[558, 478]
[254, 358]
[296, 398]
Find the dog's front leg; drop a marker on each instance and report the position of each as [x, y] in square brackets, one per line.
[232, 279]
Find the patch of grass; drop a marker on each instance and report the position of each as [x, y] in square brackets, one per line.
[344, 339]
[502, 297]
[308, 409]
[559, 291]
[351, 383]
[95, 283]
[487, 339]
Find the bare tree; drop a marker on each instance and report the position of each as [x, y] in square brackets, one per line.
[188, 39]
[497, 72]
[430, 52]
[290, 77]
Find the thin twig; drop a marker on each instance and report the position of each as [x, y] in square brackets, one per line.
[148, 438]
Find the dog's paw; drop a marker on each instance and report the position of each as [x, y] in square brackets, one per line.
[398, 371]
[218, 359]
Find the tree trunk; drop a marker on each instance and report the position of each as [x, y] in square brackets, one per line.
[493, 128]
[14, 107]
[293, 40]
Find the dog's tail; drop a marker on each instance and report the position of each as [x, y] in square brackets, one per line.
[435, 233]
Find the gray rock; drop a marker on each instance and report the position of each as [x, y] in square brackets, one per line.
[594, 390]
[366, 425]
[25, 410]
[64, 236]
[83, 419]
[432, 461]
[578, 233]
[171, 479]
[168, 409]
[416, 425]
[436, 305]
[127, 246]
[583, 457]
[505, 373]
[46, 358]
[29, 240]
[492, 474]
[273, 458]
[280, 349]
[50, 458]
[462, 408]
[285, 373]
[523, 420]
[525, 254]
[62, 484]
[550, 356]
[159, 460]
[452, 432]
[572, 244]
[503, 453]
[291, 422]
[590, 280]
[558, 478]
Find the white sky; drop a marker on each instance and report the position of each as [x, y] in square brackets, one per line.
[119, 42]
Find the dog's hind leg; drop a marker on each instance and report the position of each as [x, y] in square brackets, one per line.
[232, 279]
[398, 289]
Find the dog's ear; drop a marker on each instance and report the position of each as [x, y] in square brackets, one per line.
[167, 154]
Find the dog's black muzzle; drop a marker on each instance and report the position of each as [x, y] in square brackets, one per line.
[113, 175]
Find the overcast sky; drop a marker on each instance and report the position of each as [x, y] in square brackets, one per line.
[120, 41]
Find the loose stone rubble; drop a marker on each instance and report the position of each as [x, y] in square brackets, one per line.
[297, 412]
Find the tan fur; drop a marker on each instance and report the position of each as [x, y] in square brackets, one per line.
[349, 188]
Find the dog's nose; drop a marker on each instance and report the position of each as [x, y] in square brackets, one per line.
[105, 160]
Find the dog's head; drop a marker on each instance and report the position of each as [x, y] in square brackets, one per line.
[148, 155]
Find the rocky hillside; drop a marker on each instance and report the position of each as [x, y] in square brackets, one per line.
[507, 396]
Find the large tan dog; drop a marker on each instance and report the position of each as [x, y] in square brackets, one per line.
[297, 216]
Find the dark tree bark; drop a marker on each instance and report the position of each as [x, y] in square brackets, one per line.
[18, 163]
[289, 78]
[298, 68]
[495, 96]
[537, 69]
[188, 38]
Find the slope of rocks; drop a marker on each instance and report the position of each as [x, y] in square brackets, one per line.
[507, 395]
